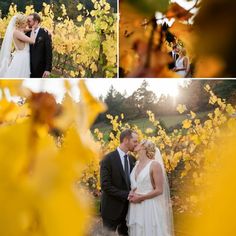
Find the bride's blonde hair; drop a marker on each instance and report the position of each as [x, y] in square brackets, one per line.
[150, 148]
[20, 20]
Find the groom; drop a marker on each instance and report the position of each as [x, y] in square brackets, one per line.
[115, 183]
[174, 55]
[41, 51]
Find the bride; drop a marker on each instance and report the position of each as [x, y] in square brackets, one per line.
[150, 211]
[182, 64]
[16, 64]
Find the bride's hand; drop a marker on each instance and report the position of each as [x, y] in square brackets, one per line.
[131, 193]
[137, 198]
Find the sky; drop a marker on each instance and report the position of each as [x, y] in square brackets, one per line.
[101, 86]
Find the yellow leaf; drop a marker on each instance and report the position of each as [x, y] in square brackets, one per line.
[181, 108]
[187, 124]
[79, 6]
[89, 106]
[193, 115]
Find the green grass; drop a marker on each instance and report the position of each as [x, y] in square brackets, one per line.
[144, 123]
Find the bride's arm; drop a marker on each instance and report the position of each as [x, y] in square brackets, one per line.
[185, 63]
[24, 38]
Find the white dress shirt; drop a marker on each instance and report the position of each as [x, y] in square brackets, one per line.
[174, 55]
[122, 158]
[36, 32]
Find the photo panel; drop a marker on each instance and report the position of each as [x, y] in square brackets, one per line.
[58, 39]
[177, 38]
[63, 140]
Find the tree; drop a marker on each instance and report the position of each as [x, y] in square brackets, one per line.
[144, 99]
[227, 90]
[114, 101]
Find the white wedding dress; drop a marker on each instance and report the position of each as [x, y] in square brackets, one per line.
[19, 67]
[16, 64]
[152, 217]
[180, 64]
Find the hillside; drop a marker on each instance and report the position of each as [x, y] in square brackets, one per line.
[169, 122]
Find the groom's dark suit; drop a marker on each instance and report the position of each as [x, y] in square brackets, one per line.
[41, 54]
[115, 191]
[174, 58]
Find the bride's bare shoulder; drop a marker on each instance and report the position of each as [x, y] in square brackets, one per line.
[155, 165]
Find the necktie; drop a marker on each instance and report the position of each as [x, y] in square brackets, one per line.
[127, 170]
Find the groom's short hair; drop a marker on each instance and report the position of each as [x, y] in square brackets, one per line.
[126, 134]
[36, 17]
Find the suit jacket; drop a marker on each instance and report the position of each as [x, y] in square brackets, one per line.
[41, 54]
[172, 64]
[115, 189]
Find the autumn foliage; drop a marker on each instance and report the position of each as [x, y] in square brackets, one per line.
[86, 47]
[49, 158]
[149, 29]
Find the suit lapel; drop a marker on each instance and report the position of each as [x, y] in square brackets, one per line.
[37, 38]
[120, 166]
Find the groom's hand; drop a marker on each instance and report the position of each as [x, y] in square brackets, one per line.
[46, 74]
[137, 198]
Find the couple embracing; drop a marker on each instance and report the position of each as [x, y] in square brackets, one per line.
[135, 195]
[32, 56]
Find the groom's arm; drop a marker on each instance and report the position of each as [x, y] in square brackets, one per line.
[106, 183]
[48, 52]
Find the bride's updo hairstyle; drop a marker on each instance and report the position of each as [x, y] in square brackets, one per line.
[20, 21]
[182, 51]
[150, 148]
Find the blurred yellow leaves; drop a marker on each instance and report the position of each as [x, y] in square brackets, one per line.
[218, 208]
[214, 38]
[213, 64]
[89, 106]
[39, 171]
[11, 112]
[14, 86]
[145, 40]
[205, 30]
